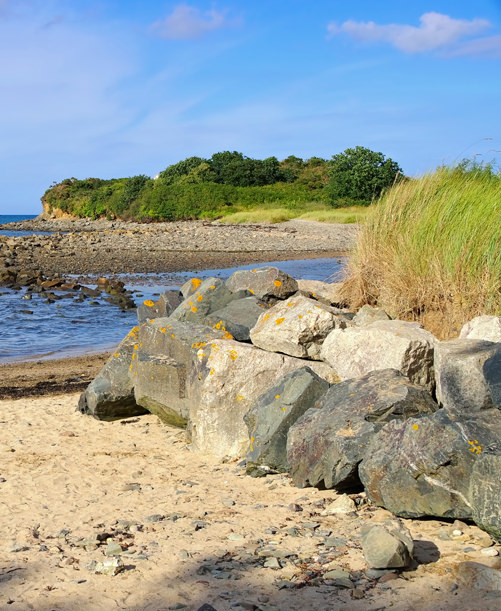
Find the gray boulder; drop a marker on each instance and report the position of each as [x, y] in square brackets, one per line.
[423, 467]
[163, 369]
[487, 328]
[368, 314]
[238, 317]
[273, 413]
[383, 344]
[325, 292]
[296, 326]
[264, 282]
[468, 375]
[210, 296]
[387, 545]
[326, 445]
[485, 493]
[231, 376]
[164, 306]
[110, 395]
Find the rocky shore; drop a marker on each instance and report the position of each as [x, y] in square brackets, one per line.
[86, 247]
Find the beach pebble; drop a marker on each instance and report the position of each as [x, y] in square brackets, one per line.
[489, 551]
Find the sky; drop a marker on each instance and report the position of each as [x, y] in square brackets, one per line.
[113, 88]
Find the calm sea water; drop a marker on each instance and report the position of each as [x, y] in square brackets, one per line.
[33, 329]
[14, 218]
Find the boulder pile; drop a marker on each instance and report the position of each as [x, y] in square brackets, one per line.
[276, 371]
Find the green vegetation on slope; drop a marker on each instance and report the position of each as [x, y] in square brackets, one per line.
[229, 183]
[431, 249]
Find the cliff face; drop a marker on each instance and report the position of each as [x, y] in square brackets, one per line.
[49, 213]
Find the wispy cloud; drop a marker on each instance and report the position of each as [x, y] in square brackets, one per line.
[435, 32]
[188, 22]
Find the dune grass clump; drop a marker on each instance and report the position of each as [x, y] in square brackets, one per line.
[430, 250]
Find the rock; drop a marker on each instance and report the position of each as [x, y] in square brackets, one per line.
[113, 549]
[368, 314]
[326, 445]
[341, 505]
[273, 413]
[264, 282]
[487, 328]
[163, 370]
[383, 344]
[468, 375]
[110, 396]
[190, 286]
[476, 576]
[164, 306]
[485, 493]
[387, 545]
[111, 567]
[423, 467]
[231, 377]
[296, 326]
[238, 317]
[325, 292]
[210, 296]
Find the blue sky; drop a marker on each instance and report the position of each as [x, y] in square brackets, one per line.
[113, 88]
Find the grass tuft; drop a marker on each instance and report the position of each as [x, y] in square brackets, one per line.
[314, 212]
[430, 250]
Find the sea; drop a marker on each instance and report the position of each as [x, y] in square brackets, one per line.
[31, 329]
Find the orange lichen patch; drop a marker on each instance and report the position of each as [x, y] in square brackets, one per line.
[233, 354]
[251, 291]
[190, 303]
[117, 354]
[277, 283]
[476, 448]
[266, 316]
[163, 330]
[218, 325]
[415, 426]
[136, 347]
[152, 378]
[240, 398]
[200, 297]
[211, 372]
[228, 335]
[290, 304]
[300, 316]
[279, 321]
[194, 309]
[199, 345]
[149, 303]
[252, 444]
[277, 396]
[172, 335]
[284, 409]
[195, 282]
[212, 287]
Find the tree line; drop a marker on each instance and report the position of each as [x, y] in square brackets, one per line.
[198, 187]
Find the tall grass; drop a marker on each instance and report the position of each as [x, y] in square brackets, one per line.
[430, 250]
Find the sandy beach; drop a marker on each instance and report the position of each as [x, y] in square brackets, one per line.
[187, 530]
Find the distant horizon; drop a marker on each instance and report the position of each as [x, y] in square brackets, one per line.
[107, 89]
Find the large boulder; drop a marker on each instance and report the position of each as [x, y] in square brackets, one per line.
[163, 367]
[326, 445]
[423, 467]
[210, 296]
[273, 413]
[325, 292]
[164, 306]
[232, 376]
[110, 395]
[487, 328]
[264, 282]
[296, 326]
[238, 317]
[383, 344]
[468, 375]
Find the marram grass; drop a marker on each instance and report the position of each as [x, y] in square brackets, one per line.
[430, 250]
[316, 212]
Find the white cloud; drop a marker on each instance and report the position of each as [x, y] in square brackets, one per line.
[436, 31]
[188, 22]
